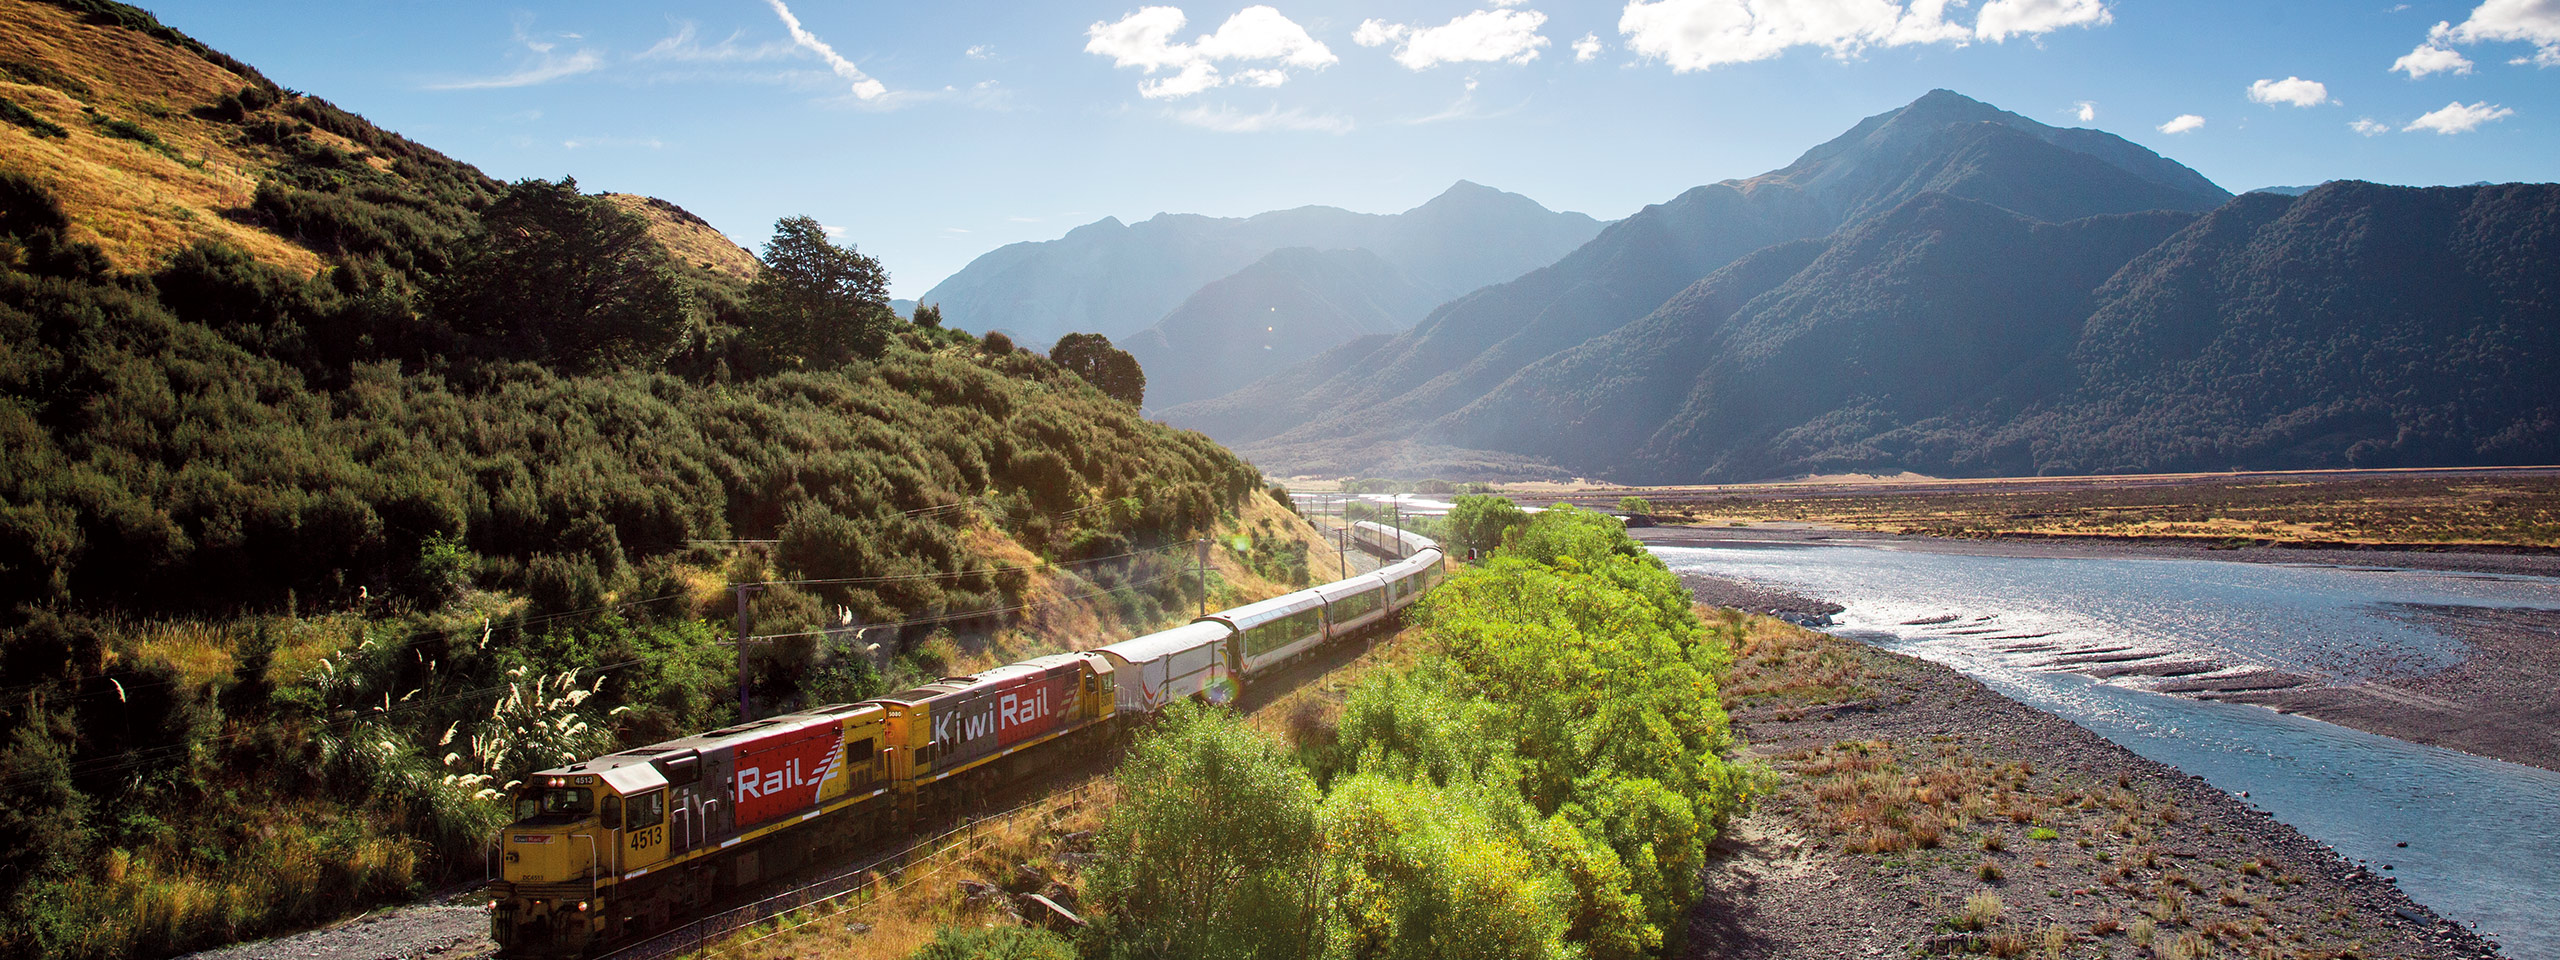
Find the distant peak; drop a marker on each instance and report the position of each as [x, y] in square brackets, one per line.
[1468, 194]
[1104, 225]
[1945, 106]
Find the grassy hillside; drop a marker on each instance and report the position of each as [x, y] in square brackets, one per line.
[341, 485]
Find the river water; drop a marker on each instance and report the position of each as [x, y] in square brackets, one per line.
[2483, 835]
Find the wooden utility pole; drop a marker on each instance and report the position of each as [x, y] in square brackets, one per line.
[1204, 576]
[746, 622]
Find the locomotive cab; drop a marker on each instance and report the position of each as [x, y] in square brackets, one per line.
[578, 831]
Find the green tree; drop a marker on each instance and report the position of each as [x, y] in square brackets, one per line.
[817, 304]
[1420, 872]
[929, 316]
[556, 276]
[1212, 851]
[1110, 369]
[1478, 521]
[1635, 506]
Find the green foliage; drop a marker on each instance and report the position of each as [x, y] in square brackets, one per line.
[1543, 782]
[220, 461]
[995, 943]
[816, 304]
[560, 278]
[26, 207]
[1420, 872]
[11, 112]
[1212, 849]
[123, 129]
[1110, 369]
[1478, 522]
[997, 344]
[929, 316]
[1635, 506]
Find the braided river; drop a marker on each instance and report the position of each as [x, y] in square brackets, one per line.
[2482, 835]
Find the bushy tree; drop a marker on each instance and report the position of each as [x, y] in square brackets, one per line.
[1110, 369]
[1422, 872]
[1212, 851]
[817, 304]
[1478, 521]
[555, 276]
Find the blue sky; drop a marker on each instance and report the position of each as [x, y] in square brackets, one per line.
[931, 132]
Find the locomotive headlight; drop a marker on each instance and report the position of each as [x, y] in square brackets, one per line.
[582, 906]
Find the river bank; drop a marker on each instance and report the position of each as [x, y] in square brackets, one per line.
[2501, 700]
[1919, 813]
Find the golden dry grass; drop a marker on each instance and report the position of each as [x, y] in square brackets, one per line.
[1778, 660]
[2354, 511]
[694, 243]
[137, 204]
[1032, 850]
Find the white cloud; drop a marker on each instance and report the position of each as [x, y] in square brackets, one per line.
[2002, 19]
[979, 52]
[547, 64]
[2088, 111]
[1258, 33]
[2294, 90]
[2182, 123]
[2457, 118]
[1484, 36]
[2494, 21]
[2436, 55]
[1586, 49]
[1701, 34]
[2369, 127]
[683, 46]
[864, 88]
[1227, 120]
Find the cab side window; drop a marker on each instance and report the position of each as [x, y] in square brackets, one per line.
[648, 809]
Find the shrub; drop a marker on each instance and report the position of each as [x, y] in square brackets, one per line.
[11, 112]
[995, 943]
[1211, 852]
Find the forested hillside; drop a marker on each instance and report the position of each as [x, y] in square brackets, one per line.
[347, 488]
[1286, 307]
[2357, 326]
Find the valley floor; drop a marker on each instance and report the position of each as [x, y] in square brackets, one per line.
[1919, 812]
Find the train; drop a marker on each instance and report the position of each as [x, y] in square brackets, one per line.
[618, 846]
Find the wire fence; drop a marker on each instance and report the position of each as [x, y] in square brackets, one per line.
[719, 934]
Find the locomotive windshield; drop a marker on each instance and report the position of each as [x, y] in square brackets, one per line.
[555, 804]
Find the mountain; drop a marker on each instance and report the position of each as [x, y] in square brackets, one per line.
[2357, 325]
[1116, 279]
[1364, 410]
[1287, 306]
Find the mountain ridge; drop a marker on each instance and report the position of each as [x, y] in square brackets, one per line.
[1117, 278]
[1470, 346]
